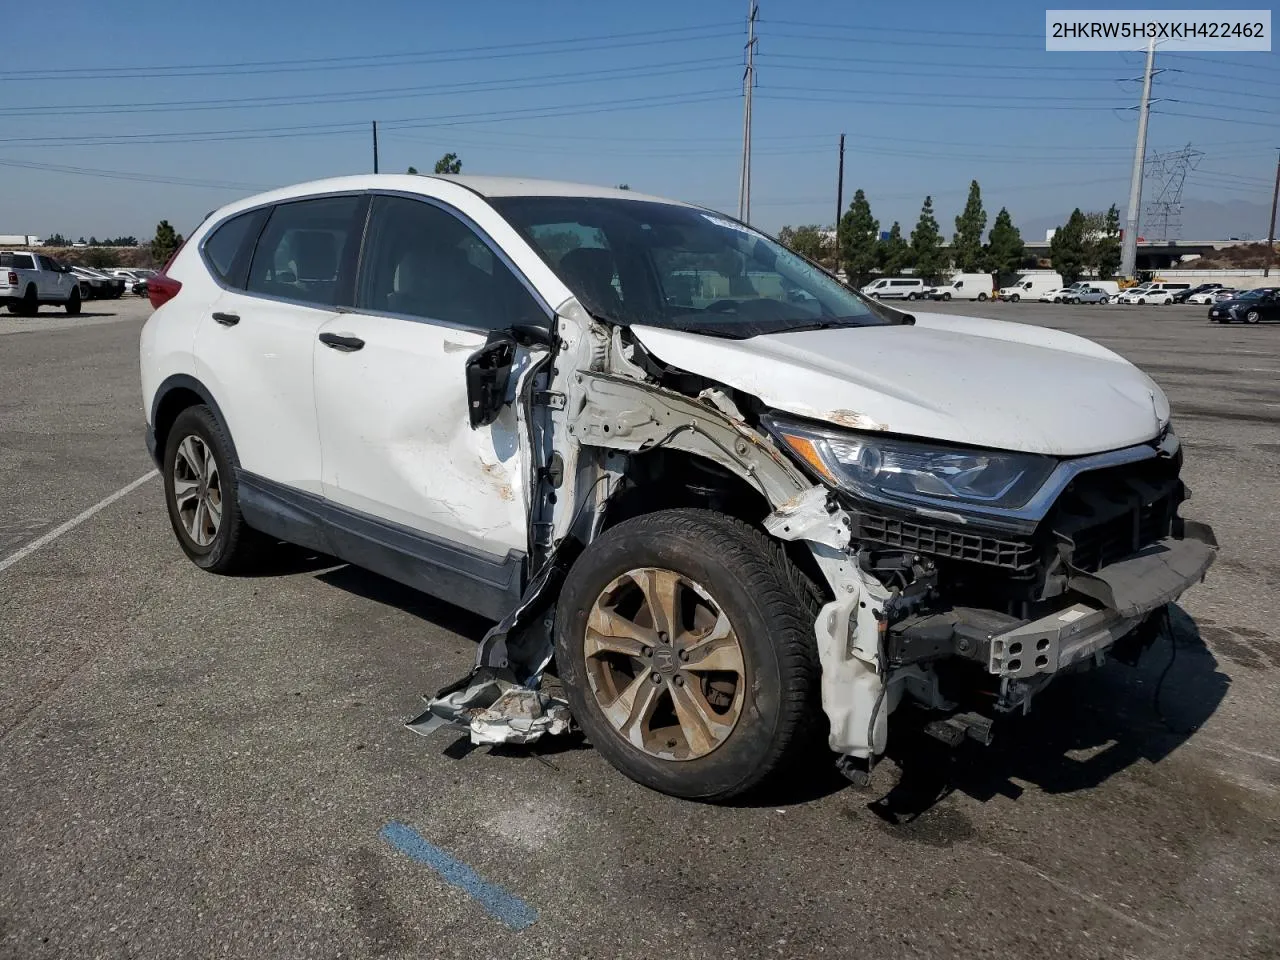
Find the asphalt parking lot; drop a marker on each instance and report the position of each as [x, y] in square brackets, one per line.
[193, 765]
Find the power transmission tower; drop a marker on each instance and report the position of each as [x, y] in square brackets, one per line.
[1129, 248]
[1169, 171]
[748, 83]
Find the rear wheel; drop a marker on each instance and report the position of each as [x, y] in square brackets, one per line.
[73, 303]
[29, 305]
[982, 297]
[200, 492]
[685, 640]
[911, 296]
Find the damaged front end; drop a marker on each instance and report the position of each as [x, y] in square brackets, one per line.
[968, 609]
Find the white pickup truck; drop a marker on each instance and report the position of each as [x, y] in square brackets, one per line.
[30, 280]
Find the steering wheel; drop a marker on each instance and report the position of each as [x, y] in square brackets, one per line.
[722, 306]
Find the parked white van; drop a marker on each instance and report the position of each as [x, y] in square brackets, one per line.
[889, 288]
[1029, 286]
[966, 286]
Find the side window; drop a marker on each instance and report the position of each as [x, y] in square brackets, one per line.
[421, 261]
[47, 264]
[19, 261]
[302, 250]
[228, 249]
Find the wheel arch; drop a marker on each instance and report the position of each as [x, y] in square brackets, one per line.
[175, 394]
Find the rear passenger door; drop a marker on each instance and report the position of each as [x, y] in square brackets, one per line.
[391, 387]
[284, 271]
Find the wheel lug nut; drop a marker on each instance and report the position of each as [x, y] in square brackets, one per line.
[655, 677]
[646, 651]
[679, 680]
[662, 636]
[683, 655]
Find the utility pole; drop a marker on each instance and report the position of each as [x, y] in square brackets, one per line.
[839, 198]
[1271, 233]
[1129, 250]
[748, 83]
[375, 146]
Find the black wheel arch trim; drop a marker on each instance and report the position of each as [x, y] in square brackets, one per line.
[183, 381]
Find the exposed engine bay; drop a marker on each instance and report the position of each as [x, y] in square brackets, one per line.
[968, 611]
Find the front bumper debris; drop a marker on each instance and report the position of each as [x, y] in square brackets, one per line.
[1123, 593]
[496, 711]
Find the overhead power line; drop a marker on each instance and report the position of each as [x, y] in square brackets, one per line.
[641, 71]
[133, 177]
[503, 51]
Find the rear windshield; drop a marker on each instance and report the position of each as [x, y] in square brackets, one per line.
[18, 261]
[665, 265]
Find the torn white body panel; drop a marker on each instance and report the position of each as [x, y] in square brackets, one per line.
[947, 378]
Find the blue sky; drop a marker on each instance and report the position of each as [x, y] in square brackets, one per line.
[930, 96]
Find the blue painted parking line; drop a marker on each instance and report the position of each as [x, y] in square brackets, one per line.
[497, 902]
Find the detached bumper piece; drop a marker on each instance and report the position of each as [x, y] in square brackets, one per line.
[1114, 600]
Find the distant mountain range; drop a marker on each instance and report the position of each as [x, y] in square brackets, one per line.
[1201, 220]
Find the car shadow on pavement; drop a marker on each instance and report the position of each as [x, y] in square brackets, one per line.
[374, 587]
[1081, 730]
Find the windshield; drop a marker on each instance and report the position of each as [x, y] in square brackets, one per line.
[664, 265]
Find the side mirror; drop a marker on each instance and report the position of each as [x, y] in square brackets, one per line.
[488, 373]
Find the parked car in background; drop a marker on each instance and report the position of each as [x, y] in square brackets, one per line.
[1144, 293]
[1172, 288]
[1253, 306]
[131, 276]
[721, 506]
[95, 285]
[1226, 293]
[1087, 295]
[1184, 296]
[1202, 297]
[1030, 286]
[1053, 295]
[895, 288]
[29, 281]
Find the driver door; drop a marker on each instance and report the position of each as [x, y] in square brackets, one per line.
[396, 439]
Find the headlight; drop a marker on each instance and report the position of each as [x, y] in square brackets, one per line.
[885, 468]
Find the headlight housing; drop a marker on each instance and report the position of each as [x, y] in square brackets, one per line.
[888, 469]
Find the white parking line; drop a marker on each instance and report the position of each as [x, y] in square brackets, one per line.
[75, 521]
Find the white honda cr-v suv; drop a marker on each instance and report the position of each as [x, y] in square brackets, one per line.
[738, 503]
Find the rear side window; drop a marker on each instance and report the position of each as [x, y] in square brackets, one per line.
[302, 249]
[17, 261]
[228, 249]
[421, 261]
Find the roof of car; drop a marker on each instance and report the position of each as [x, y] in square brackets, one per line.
[485, 186]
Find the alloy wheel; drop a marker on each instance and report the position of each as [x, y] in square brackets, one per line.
[664, 664]
[197, 490]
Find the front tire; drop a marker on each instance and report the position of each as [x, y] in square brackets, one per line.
[1253, 316]
[685, 642]
[1015, 298]
[201, 496]
[946, 297]
[73, 303]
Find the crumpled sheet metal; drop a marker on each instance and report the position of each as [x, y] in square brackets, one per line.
[496, 711]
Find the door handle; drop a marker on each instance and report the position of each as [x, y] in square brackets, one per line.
[227, 319]
[338, 342]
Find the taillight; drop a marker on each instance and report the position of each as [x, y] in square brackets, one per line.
[13, 278]
[161, 289]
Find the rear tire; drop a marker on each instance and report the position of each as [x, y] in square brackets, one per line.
[29, 306]
[982, 298]
[201, 494]
[728, 580]
[73, 303]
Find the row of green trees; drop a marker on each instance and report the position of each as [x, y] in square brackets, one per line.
[449, 163]
[1087, 242]
[58, 240]
[863, 253]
